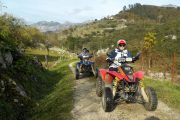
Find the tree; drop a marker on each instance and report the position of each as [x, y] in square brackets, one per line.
[148, 45]
[15, 34]
[124, 8]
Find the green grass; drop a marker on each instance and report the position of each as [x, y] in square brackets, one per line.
[58, 102]
[167, 91]
[41, 52]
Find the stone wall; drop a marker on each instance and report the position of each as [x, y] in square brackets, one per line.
[6, 59]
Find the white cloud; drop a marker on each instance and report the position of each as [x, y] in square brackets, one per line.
[71, 10]
[79, 10]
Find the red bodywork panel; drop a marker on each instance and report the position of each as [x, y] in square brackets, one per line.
[103, 73]
[136, 75]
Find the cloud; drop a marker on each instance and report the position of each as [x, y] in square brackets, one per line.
[104, 1]
[68, 10]
[80, 10]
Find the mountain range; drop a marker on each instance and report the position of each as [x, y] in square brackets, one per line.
[52, 26]
[171, 6]
[46, 26]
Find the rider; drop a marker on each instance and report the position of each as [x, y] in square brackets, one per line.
[119, 52]
[85, 52]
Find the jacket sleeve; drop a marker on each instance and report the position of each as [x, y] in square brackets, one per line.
[112, 54]
[80, 56]
[129, 54]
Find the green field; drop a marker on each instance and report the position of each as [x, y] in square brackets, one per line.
[167, 91]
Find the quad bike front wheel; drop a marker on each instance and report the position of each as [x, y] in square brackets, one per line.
[107, 100]
[93, 70]
[77, 74]
[99, 86]
[151, 100]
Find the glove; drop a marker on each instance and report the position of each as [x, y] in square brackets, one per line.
[110, 60]
[137, 56]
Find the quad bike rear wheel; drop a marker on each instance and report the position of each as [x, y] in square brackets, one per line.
[107, 100]
[152, 102]
[99, 86]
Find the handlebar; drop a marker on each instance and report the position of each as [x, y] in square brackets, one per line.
[85, 57]
[128, 59]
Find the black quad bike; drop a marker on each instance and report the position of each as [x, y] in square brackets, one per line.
[86, 67]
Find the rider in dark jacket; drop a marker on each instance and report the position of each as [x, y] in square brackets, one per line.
[85, 52]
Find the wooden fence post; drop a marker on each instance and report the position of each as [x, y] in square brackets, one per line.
[173, 69]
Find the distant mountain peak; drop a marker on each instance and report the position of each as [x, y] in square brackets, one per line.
[170, 5]
[50, 23]
[45, 26]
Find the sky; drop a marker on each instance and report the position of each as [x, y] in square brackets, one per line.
[75, 11]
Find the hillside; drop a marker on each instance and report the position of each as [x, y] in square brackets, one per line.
[126, 24]
[132, 24]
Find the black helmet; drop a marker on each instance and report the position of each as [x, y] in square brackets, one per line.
[85, 50]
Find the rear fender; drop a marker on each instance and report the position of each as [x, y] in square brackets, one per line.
[138, 75]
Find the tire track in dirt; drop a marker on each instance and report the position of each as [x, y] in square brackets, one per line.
[87, 106]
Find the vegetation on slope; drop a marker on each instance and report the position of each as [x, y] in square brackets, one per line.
[23, 79]
[58, 103]
[132, 24]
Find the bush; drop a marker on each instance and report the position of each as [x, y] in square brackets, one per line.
[100, 61]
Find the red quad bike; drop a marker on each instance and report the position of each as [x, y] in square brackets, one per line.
[127, 86]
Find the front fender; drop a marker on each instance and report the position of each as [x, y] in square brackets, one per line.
[102, 73]
[116, 74]
[138, 75]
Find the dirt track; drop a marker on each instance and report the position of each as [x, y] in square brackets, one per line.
[87, 106]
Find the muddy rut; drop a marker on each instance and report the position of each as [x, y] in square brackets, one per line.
[87, 106]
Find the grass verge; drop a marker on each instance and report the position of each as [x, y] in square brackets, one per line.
[40, 54]
[167, 91]
[58, 103]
